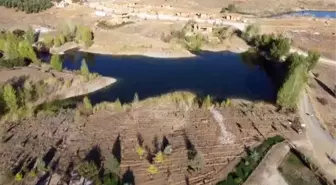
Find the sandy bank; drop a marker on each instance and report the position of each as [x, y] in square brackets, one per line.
[56, 85]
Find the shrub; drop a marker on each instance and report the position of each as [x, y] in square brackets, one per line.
[159, 157]
[223, 33]
[232, 8]
[194, 43]
[207, 102]
[113, 165]
[140, 151]
[196, 163]
[89, 170]
[9, 96]
[56, 62]
[152, 170]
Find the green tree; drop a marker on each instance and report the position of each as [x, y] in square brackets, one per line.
[84, 69]
[84, 35]
[312, 59]
[26, 50]
[9, 96]
[30, 36]
[57, 42]
[280, 47]
[251, 31]
[11, 50]
[56, 62]
[87, 103]
[289, 93]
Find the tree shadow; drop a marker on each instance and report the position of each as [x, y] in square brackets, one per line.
[128, 177]
[156, 144]
[140, 139]
[325, 88]
[47, 158]
[150, 155]
[192, 152]
[94, 156]
[116, 150]
[165, 143]
[331, 159]
[44, 179]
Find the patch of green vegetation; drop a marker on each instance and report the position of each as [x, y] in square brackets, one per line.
[107, 26]
[16, 48]
[56, 62]
[29, 6]
[194, 43]
[246, 166]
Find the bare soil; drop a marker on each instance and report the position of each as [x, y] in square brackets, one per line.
[71, 139]
[322, 95]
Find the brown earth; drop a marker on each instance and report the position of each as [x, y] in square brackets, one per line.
[71, 137]
[322, 95]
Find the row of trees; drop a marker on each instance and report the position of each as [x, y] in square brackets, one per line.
[28, 6]
[278, 49]
[69, 33]
[297, 76]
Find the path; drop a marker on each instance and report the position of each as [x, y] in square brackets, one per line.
[322, 142]
[267, 171]
[226, 137]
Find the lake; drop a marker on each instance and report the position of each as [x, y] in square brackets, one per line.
[219, 74]
[310, 13]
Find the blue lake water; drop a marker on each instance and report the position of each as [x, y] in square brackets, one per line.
[219, 74]
[311, 13]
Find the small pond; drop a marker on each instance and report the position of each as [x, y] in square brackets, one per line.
[310, 13]
[219, 74]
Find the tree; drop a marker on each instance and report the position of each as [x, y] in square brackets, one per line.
[280, 47]
[56, 62]
[288, 94]
[11, 50]
[250, 31]
[312, 59]
[9, 96]
[30, 36]
[26, 50]
[84, 35]
[84, 69]
[87, 104]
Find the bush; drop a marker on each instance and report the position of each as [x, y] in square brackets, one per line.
[223, 33]
[56, 62]
[57, 42]
[9, 96]
[194, 43]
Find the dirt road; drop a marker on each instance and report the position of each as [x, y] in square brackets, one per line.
[323, 143]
